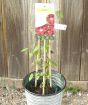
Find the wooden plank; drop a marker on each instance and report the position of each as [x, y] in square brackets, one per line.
[71, 39]
[1, 45]
[3, 49]
[17, 37]
[4, 41]
[31, 30]
[84, 57]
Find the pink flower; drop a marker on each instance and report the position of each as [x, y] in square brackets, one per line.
[50, 30]
[44, 27]
[50, 19]
[39, 31]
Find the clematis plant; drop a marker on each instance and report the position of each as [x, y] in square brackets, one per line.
[42, 52]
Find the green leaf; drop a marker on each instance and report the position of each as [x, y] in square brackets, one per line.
[34, 52]
[47, 48]
[42, 74]
[37, 62]
[37, 77]
[35, 49]
[48, 76]
[25, 49]
[31, 77]
[37, 74]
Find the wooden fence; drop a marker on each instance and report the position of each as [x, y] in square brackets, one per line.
[70, 46]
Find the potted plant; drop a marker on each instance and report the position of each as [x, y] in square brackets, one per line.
[44, 86]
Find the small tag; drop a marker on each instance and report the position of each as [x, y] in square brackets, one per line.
[60, 26]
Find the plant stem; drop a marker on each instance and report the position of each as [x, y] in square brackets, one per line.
[38, 56]
[44, 79]
[50, 63]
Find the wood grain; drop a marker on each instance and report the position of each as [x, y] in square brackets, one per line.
[57, 39]
[1, 45]
[84, 56]
[17, 32]
[71, 39]
[17, 37]
[3, 49]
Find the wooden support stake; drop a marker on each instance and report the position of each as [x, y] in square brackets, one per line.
[44, 66]
[50, 63]
[44, 69]
[38, 57]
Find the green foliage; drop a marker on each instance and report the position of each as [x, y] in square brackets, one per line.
[47, 48]
[31, 77]
[44, 37]
[36, 49]
[72, 89]
[34, 52]
[37, 75]
[48, 76]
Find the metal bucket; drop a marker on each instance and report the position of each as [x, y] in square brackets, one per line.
[51, 99]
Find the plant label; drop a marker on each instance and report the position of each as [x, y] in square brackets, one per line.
[44, 19]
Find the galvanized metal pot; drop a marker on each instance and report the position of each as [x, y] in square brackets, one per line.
[51, 99]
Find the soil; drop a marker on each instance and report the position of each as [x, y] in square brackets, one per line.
[13, 96]
[38, 90]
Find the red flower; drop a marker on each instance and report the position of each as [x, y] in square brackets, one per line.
[50, 19]
[45, 27]
[50, 30]
[50, 27]
[41, 30]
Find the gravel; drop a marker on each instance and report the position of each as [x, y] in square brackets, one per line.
[12, 96]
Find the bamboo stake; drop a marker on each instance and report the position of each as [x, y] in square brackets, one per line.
[44, 69]
[50, 63]
[38, 56]
[44, 79]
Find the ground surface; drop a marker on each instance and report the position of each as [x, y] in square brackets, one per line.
[12, 96]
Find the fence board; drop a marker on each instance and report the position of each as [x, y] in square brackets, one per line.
[17, 35]
[17, 32]
[57, 40]
[31, 33]
[3, 47]
[1, 59]
[84, 57]
[71, 39]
